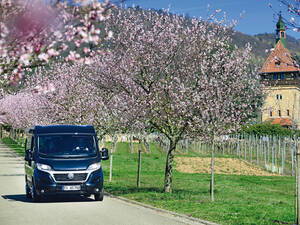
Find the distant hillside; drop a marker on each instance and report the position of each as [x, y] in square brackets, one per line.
[262, 42]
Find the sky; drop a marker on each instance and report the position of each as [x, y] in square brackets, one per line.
[257, 17]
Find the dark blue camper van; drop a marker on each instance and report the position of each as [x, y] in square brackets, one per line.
[63, 159]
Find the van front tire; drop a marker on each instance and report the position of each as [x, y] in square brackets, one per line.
[34, 195]
[27, 189]
[100, 196]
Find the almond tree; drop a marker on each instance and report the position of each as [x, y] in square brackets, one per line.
[59, 94]
[71, 97]
[182, 78]
[24, 109]
[33, 32]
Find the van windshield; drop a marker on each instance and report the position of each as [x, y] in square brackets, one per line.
[67, 145]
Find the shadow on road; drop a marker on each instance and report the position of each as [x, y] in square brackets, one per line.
[49, 199]
[18, 198]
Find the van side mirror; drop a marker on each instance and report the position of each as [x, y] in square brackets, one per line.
[26, 151]
[26, 155]
[104, 154]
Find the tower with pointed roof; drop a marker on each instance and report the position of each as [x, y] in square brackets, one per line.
[280, 31]
[281, 78]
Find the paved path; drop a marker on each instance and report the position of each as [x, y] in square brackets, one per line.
[15, 209]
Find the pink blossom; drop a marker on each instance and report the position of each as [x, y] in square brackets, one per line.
[32, 30]
[37, 89]
[72, 56]
[86, 50]
[110, 34]
[52, 52]
[24, 59]
[292, 20]
[51, 87]
[64, 47]
[57, 34]
[43, 57]
[88, 61]
[77, 43]
[3, 52]
[102, 18]
[94, 38]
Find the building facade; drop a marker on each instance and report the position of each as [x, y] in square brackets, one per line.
[281, 78]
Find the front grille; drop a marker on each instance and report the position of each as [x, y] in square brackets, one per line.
[65, 177]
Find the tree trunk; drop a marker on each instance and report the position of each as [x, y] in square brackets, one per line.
[169, 166]
[131, 144]
[212, 174]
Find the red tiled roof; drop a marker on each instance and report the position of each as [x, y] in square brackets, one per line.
[280, 121]
[279, 55]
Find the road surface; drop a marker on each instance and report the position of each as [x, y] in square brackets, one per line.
[16, 209]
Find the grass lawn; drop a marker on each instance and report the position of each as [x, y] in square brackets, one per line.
[238, 199]
[12, 144]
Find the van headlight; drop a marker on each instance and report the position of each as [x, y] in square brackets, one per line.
[43, 167]
[94, 166]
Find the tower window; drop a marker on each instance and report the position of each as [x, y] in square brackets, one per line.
[277, 63]
[279, 97]
[288, 112]
[279, 113]
[281, 34]
[271, 113]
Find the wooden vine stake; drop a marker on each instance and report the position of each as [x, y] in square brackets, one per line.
[297, 202]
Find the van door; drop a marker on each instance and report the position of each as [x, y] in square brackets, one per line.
[29, 163]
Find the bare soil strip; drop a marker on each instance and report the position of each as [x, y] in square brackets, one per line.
[222, 166]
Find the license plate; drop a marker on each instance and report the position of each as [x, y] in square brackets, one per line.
[71, 188]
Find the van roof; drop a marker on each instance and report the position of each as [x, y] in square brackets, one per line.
[62, 129]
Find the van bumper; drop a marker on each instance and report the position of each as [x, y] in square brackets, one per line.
[46, 185]
[85, 189]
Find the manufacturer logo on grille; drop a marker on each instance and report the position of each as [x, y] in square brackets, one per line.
[70, 176]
